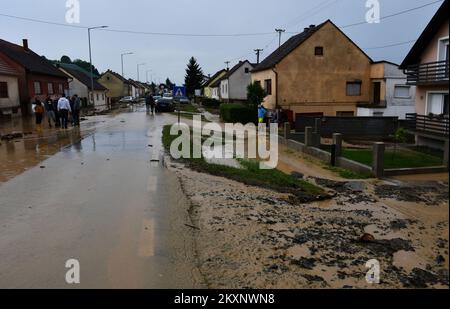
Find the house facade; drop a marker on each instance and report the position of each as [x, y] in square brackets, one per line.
[319, 72]
[208, 89]
[390, 96]
[233, 85]
[9, 89]
[427, 68]
[117, 86]
[37, 78]
[80, 84]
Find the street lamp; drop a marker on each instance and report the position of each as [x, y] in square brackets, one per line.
[90, 59]
[121, 56]
[140, 64]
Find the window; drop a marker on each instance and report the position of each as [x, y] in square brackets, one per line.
[103, 96]
[37, 88]
[437, 103]
[402, 91]
[4, 90]
[378, 114]
[268, 86]
[60, 88]
[345, 114]
[50, 88]
[247, 70]
[354, 89]
[98, 97]
[318, 51]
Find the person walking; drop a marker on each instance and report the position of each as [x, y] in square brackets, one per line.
[48, 104]
[150, 103]
[262, 111]
[39, 114]
[63, 110]
[55, 110]
[76, 109]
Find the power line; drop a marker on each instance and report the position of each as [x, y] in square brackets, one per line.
[310, 13]
[391, 45]
[140, 32]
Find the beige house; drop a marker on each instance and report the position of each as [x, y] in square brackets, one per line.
[118, 87]
[427, 68]
[317, 72]
[208, 89]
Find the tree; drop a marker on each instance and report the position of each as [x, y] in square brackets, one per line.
[255, 94]
[400, 137]
[86, 66]
[66, 59]
[169, 84]
[194, 77]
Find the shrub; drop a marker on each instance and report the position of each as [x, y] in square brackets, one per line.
[238, 113]
[255, 94]
[207, 102]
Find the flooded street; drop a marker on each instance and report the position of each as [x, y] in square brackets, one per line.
[99, 196]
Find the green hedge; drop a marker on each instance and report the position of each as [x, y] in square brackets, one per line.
[207, 102]
[238, 113]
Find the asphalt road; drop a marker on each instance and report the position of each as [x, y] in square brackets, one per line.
[103, 202]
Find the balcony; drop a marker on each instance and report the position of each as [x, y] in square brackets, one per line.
[437, 126]
[431, 73]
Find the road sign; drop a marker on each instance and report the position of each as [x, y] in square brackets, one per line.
[179, 91]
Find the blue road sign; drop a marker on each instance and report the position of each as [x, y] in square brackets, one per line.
[179, 91]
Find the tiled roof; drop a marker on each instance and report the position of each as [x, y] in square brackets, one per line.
[29, 59]
[117, 75]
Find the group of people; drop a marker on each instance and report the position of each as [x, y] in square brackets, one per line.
[267, 116]
[57, 111]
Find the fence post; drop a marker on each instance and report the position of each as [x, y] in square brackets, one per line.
[287, 131]
[308, 136]
[337, 140]
[446, 152]
[378, 159]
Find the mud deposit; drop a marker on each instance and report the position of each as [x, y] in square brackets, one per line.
[248, 237]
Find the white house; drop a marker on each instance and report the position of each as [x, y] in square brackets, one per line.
[233, 86]
[390, 94]
[81, 85]
[9, 89]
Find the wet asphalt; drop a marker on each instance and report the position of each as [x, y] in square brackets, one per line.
[105, 201]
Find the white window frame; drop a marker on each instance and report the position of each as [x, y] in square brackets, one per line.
[402, 86]
[40, 87]
[439, 46]
[428, 96]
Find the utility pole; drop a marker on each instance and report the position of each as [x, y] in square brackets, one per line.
[90, 60]
[228, 64]
[121, 56]
[258, 51]
[280, 32]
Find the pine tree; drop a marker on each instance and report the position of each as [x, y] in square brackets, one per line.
[194, 77]
[169, 84]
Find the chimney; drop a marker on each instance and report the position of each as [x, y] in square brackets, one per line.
[312, 26]
[25, 44]
[306, 30]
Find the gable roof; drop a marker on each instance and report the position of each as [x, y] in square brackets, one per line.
[83, 78]
[214, 77]
[294, 42]
[31, 61]
[427, 35]
[235, 68]
[6, 69]
[117, 75]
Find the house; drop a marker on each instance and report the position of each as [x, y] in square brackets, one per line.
[37, 78]
[208, 89]
[390, 96]
[80, 84]
[117, 86]
[319, 72]
[136, 89]
[9, 89]
[427, 67]
[233, 85]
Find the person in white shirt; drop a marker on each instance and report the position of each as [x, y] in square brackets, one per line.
[63, 110]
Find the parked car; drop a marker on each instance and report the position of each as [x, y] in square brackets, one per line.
[156, 98]
[164, 105]
[182, 100]
[127, 100]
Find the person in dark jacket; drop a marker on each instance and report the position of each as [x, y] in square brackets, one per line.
[150, 103]
[49, 108]
[76, 109]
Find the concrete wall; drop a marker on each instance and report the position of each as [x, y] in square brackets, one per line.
[239, 81]
[13, 99]
[261, 76]
[310, 84]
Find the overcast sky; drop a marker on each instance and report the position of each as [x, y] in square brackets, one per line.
[167, 56]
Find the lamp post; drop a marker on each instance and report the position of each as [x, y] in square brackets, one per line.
[121, 56]
[90, 59]
[138, 66]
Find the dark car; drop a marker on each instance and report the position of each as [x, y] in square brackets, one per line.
[164, 105]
